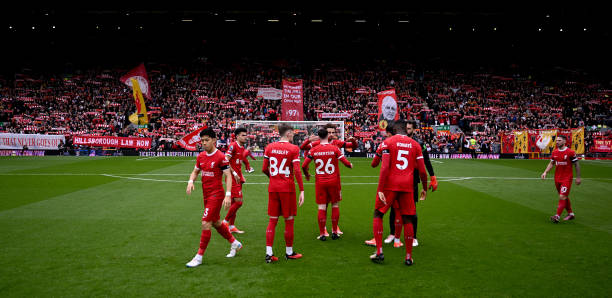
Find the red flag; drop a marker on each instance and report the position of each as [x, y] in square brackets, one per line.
[191, 140]
[140, 74]
[293, 103]
[387, 108]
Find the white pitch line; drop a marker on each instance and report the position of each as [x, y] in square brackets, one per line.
[147, 158]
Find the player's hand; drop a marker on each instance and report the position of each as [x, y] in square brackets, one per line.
[423, 195]
[578, 181]
[381, 197]
[433, 183]
[236, 177]
[313, 138]
[227, 202]
[351, 166]
[301, 200]
[190, 187]
[543, 175]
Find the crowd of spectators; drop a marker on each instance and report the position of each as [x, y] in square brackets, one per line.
[479, 104]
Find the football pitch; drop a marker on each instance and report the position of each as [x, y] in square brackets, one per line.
[123, 226]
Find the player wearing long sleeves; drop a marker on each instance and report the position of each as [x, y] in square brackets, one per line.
[563, 158]
[213, 165]
[400, 156]
[327, 177]
[278, 157]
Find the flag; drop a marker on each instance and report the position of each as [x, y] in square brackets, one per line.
[387, 108]
[140, 74]
[578, 140]
[521, 141]
[292, 105]
[191, 140]
[140, 117]
[545, 140]
[507, 143]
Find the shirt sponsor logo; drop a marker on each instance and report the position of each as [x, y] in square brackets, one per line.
[208, 174]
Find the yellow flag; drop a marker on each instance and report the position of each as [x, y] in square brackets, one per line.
[578, 140]
[521, 141]
[141, 108]
[546, 139]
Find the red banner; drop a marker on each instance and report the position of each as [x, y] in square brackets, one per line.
[602, 145]
[293, 103]
[387, 108]
[119, 142]
[191, 140]
[365, 134]
[140, 74]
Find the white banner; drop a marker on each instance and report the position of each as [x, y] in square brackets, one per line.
[334, 115]
[270, 93]
[32, 141]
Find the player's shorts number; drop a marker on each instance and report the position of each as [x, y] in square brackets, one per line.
[275, 169]
[563, 188]
[206, 212]
[329, 167]
[402, 159]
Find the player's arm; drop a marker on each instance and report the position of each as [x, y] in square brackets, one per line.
[192, 177]
[384, 173]
[353, 143]
[343, 159]
[227, 201]
[305, 166]
[265, 168]
[298, 175]
[577, 165]
[306, 145]
[245, 161]
[423, 176]
[434, 182]
[377, 156]
[548, 168]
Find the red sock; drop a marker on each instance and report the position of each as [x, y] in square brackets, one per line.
[561, 207]
[224, 231]
[568, 205]
[378, 231]
[335, 218]
[408, 236]
[289, 232]
[398, 225]
[204, 239]
[231, 213]
[270, 231]
[322, 216]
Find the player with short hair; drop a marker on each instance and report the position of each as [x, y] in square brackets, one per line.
[327, 177]
[563, 158]
[278, 157]
[400, 156]
[213, 165]
[314, 141]
[235, 155]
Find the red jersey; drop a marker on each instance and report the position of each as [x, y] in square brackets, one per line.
[235, 154]
[326, 163]
[278, 160]
[212, 167]
[307, 145]
[404, 156]
[563, 163]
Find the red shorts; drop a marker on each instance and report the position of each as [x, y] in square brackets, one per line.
[402, 201]
[236, 190]
[212, 206]
[328, 194]
[563, 187]
[282, 203]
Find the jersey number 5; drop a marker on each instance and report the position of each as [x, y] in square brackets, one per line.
[403, 159]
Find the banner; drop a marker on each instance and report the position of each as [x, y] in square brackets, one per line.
[140, 117]
[443, 130]
[334, 115]
[365, 134]
[270, 93]
[545, 140]
[191, 140]
[387, 108]
[578, 140]
[119, 142]
[32, 141]
[507, 143]
[602, 145]
[521, 141]
[139, 74]
[293, 104]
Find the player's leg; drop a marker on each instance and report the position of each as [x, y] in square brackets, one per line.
[399, 222]
[224, 231]
[338, 231]
[207, 218]
[565, 188]
[274, 211]
[562, 189]
[289, 209]
[321, 200]
[236, 204]
[380, 209]
[407, 210]
[415, 218]
[392, 226]
[334, 196]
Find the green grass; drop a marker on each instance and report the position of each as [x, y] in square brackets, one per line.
[126, 228]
